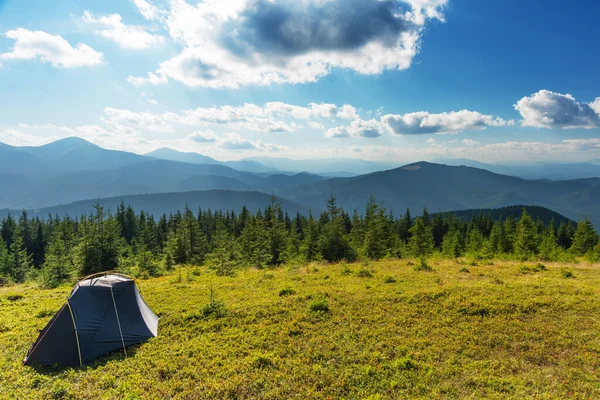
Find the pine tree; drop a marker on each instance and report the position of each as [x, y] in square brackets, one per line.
[421, 241]
[196, 241]
[101, 242]
[404, 226]
[585, 238]
[58, 266]
[224, 256]
[19, 262]
[451, 244]
[276, 233]
[310, 245]
[526, 238]
[475, 241]
[549, 248]
[4, 260]
[254, 243]
[7, 230]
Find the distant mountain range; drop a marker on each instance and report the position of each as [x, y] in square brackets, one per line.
[551, 171]
[160, 203]
[72, 170]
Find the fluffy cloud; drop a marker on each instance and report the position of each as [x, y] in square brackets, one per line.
[148, 10]
[566, 150]
[357, 128]
[242, 42]
[202, 137]
[234, 141]
[53, 49]
[127, 36]
[546, 109]
[272, 117]
[422, 123]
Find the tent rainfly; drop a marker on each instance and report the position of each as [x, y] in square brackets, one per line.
[103, 313]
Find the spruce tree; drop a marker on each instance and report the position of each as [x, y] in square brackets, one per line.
[4, 260]
[58, 265]
[549, 248]
[421, 241]
[451, 244]
[19, 262]
[254, 243]
[310, 245]
[224, 256]
[585, 238]
[526, 239]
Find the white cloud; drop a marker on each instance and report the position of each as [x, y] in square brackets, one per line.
[127, 36]
[262, 42]
[202, 137]
[338, 132]
[316, 125]
[573, 150]
[148, 10]
[53, 49]
[423, 122]
[347, 112]
[546, 109]
[151, 79]
[357, 129]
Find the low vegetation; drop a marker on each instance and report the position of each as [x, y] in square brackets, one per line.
[508, 330]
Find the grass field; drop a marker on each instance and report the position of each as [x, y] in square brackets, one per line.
[507, 330]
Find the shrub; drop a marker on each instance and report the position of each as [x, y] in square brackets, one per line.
[319, 306]
[567, 273]
[422, 265]
[526, 269]
[364, 273]
[215, 308]
[287, 291]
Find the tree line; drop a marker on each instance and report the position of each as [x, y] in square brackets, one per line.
[58, 249]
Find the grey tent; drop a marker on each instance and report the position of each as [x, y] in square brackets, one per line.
[103, 313]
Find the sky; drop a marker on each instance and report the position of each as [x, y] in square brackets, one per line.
[385, 80]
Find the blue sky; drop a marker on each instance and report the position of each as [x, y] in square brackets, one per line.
[385, 80]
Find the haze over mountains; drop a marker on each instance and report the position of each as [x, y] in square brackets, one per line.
[73, 170]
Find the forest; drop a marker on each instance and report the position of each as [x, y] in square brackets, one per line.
[57, 249]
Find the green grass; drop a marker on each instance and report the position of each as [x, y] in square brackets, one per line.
[500, 331]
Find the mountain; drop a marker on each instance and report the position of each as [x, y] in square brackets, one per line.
[166, 153]
[553, 171]
[445, 188]
[322, 166]
[154, 176]
[157, 204]
[17, 162]
[515, 212]
[75, 154]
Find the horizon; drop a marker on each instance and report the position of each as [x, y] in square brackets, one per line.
[423, 80]
[439, 160]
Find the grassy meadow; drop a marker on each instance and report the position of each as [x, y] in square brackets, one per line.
[343, 331]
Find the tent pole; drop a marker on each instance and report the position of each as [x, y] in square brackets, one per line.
[118, 321]
[76, 334]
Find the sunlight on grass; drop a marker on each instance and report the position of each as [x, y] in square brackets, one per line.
[397, 332]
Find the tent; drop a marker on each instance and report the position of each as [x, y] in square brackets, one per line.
[103, 313]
